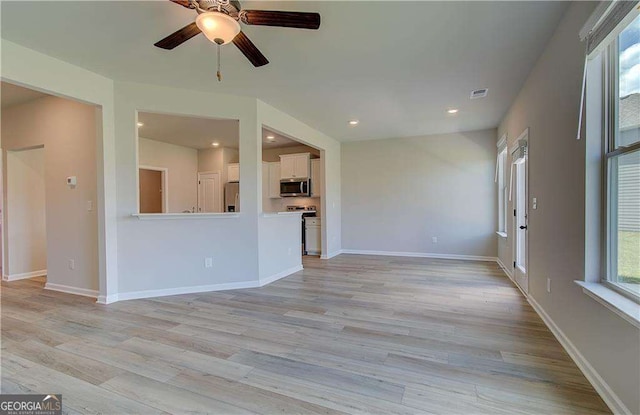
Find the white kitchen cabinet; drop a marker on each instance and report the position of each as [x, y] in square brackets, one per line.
[294, 166]
[313, 236]
[316, 178]
[274, 180]
[233, 172]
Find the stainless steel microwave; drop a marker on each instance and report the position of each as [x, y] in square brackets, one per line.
[295, 188]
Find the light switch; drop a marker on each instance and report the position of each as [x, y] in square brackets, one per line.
[89, 205]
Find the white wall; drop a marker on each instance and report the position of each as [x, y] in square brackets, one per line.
[548, 105]
[26, 214]
[182, 165]
[280, 245]
[32, 69]
[67, 130]
[137, 254]
[397, 194]
[169, 254]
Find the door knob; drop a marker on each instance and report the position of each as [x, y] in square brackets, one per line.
[523, 227]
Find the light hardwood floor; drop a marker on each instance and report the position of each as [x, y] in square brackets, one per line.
[355, 334]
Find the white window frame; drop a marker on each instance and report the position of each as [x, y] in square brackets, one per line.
[601, 98]
[611, 154]
[501, 180]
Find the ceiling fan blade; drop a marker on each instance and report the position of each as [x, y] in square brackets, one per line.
[249, 50]
[299, 20]
[179, 37]
[183, 3]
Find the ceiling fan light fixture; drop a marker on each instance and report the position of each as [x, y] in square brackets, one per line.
[218, 27]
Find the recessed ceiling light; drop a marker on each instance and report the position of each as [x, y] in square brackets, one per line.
[215, 144]
[452, 110]
[354, 122]
[271, 137]
[140, 124]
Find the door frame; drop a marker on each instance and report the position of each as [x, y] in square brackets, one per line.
[165, 185]
[220, 191]
[521, 141]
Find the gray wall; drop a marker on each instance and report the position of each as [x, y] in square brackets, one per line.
[548, 105]
[399, 193]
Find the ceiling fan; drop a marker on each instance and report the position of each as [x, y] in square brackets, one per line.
[219, 20]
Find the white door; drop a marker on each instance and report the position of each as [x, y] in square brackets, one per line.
[520, 224]
[209, 197]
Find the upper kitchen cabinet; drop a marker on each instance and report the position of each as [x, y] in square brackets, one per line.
[295, 166]
[233, 172]
[316, 178]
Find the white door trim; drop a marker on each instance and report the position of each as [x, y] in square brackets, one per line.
[523, 139]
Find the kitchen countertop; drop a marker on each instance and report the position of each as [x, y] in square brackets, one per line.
[287, 213]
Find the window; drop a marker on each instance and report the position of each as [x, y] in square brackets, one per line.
[622, 157]
[502, 190]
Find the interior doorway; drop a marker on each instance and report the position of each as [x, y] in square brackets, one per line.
[50, 196]
[26, 214]
[153, 189]
[209, 200]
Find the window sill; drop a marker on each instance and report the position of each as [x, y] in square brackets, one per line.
[170, 216]
[502, 234]
[618, 303]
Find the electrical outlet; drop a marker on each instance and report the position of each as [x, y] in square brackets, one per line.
[548, 285]
[535, 203]
[208, 262]
[89, 205]
[72, 264]
[434, 239]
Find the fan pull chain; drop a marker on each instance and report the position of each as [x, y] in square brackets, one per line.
[219, 74]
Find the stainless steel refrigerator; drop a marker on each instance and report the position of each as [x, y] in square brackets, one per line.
[232, 197]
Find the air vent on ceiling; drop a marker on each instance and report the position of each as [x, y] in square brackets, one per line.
[479, 93]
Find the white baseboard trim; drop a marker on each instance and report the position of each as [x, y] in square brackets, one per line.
[505, 269]
[279, 275]
[606, 393]
[107, 299]
[331, 254]
[134, 295]
[24, 275]
[71, 290]
[421, 255]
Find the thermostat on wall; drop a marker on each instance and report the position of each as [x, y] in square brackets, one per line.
[72, 181]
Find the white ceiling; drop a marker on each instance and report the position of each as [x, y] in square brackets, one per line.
[194, 132]
[15, 95]
[396, 66]
[200, 133]
[278, 141]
